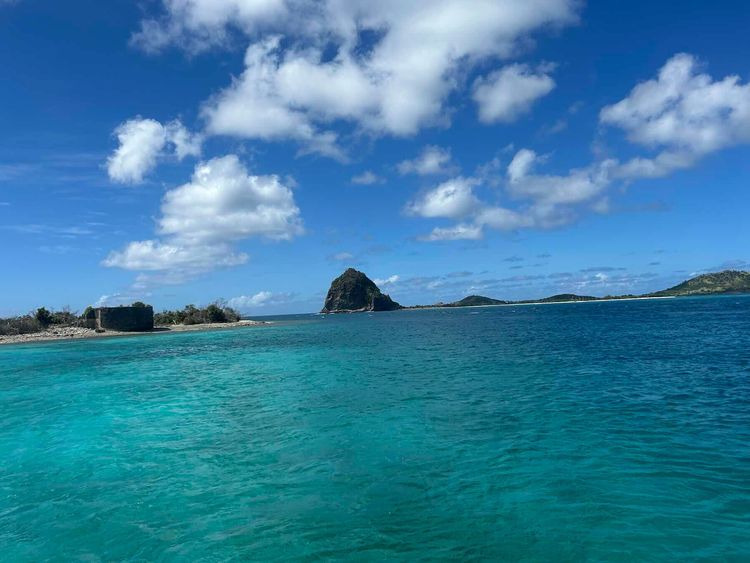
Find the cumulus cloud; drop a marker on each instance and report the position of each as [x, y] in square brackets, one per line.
[461, 231]
[433, 160]
[384, 67]
[342, 257]
[201, 220]
[258, 300]
[682, 113]
[197, 25]
[142, 142]
[506, 94]
[452, 199]
[577, 186]
[380, 282]
[541, 201]
[154, 255]
[367, 178]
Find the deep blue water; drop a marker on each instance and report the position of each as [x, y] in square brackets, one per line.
[594, 431]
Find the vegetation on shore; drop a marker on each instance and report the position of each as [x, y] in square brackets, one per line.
[217, 312]
[40, 320]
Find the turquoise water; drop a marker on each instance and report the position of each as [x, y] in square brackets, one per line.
[599, 431]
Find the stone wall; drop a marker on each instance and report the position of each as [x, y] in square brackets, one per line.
[125, 319]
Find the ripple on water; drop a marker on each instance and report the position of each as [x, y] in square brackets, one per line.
[585, 431]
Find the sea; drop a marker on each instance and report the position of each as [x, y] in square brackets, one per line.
[605, 431]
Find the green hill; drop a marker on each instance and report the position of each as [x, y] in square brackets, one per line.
[566, 297]
[475, 301]
[728, 281]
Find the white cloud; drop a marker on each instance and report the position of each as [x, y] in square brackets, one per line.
[576, 186]
[386, 281]
[142, 142]
[521, 164]
[153, 255]
[197, 25]
[185, 143]
[506, 94]
[682, 113]
[396, 85]
[503, 219]
[224, 203]
[342, 257]
[260, 299]
[453, 199]
[433, 160]
[200, 220]
[252, 107]
[461, 231]
[367, 178]
[542, 201]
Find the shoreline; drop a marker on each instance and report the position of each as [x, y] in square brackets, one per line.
[70, 334]
[525, 303]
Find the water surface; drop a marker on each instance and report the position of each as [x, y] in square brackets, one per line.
[614, 431]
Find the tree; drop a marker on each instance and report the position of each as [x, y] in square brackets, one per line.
[43, 316]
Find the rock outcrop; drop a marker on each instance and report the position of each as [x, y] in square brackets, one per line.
[353, 292]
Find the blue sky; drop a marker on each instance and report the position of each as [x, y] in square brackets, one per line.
[180, 151]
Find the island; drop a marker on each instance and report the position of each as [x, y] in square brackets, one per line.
[354, 292]
[726, 282]
[137, 318]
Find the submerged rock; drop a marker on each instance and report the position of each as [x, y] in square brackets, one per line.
[353, 291]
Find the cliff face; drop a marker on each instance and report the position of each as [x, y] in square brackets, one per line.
[353, 291]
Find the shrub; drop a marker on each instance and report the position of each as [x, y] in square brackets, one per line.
[191, 315]
[43, 317]
[64, 317]
[19, 325]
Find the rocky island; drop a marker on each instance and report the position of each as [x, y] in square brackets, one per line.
[353, 292]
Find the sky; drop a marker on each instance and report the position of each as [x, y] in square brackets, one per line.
[184, 151]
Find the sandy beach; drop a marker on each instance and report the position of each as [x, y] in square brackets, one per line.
[79, 333]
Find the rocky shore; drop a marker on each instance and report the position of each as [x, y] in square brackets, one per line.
[79, 333]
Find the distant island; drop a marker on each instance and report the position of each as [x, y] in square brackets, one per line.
[351, 292]
[728, 281]
[139, 317]
[354, 292]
